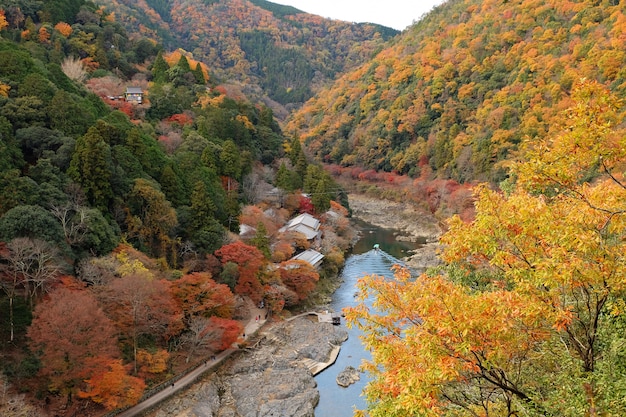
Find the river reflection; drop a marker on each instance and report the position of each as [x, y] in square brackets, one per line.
[336, 401]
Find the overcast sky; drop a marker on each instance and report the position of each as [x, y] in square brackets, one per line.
[397, 14]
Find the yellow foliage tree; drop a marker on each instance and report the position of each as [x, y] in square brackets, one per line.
[4, 90]
[526, 321]
[3, 20]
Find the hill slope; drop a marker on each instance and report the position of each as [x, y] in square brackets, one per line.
[272, 50]
[462, 87]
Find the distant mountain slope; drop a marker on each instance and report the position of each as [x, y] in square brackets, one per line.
[462, 87]
[271, 50]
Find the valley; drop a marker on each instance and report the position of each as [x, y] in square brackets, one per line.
[165, 164]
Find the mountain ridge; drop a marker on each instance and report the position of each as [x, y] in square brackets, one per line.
[462, 87]
[302, 52]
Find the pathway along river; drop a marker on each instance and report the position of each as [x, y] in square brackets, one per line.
[336, 401]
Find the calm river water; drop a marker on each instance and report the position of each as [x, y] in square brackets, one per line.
[336, 401]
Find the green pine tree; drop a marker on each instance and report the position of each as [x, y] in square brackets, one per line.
[159, 69]
[199, 74]
[284, 178]
[91, 167]
[261, 240]
[202, 207]
[231, 161]
[183, 64]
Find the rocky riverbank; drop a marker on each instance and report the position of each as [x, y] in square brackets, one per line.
[411, 223]
[268, 378]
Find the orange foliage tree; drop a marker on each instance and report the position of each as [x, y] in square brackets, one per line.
[73, 338]
[199, 294]
[249, 261]
[140, 305]
[44, 35]
[3, 20]
[114, 388]
[299, 276]
[63, 28]
[150, 363]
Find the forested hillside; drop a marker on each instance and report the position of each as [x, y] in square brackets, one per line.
[126, 172]
[145, 181]
[457, 92]
[271, 51]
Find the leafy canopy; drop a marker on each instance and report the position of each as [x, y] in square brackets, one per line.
[540, 335]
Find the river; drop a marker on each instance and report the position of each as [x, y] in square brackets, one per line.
[336, 401]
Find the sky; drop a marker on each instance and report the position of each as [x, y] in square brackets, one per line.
[397, 14]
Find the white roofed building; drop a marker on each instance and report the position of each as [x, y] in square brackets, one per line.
[306, 224]
[311, 256]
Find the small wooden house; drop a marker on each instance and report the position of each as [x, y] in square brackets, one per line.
[134, 95]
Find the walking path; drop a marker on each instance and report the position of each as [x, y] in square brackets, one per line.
[250, 329]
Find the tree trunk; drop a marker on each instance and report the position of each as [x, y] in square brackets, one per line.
[11, 318]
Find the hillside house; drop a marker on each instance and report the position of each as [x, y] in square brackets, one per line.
[306, 224]
[134, 95]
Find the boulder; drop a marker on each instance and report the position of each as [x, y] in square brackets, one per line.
[348, 376]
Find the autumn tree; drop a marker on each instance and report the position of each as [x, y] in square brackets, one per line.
[152, 362]
[249, 261]
[299, 276]
[63, 28]
[141, 305]
[282, 250]
[4, 90]
[3, 20]
[199, 295]
[113, 387]
[73, 339]
[230, 331]
[44, 35]
[527, 317]
[28, 266]
[210, 335]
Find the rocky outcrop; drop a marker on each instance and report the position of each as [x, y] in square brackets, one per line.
[348, 376]
[266, 379]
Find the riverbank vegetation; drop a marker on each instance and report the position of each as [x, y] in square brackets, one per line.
[151, 184]
[527, 316]
[121, 258]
